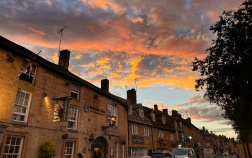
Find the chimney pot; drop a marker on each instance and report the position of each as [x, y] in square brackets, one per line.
[174, 112]
[64, 58]
[105, 85]
[155, 107]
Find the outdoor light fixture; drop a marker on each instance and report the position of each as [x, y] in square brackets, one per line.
[44, 95]
[112, 118]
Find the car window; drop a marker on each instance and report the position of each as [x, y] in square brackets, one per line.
[180, 152]
[168, 155]
[157, 155]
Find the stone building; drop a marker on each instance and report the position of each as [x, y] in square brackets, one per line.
[140, 128]
[51, 103]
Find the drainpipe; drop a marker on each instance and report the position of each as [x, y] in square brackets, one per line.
[152, 139]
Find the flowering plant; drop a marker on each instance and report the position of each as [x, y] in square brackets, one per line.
[123, 142]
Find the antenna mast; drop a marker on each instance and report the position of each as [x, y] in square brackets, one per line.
[60, 32]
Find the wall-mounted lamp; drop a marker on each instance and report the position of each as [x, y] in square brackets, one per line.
[112, 118]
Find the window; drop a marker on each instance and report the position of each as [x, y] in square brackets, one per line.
[160, 134]
[134, 130]
[138, 152]
[146, 131]
[21, 106]
[112, 112]
[163, 119]
[116, 150]
[72, 119]
[75, 91]
[130, 110]
[69, 149]
[171, 136]
[153, 116]
[29, 74]
[141, 112]
[122, 151]
[13, 147]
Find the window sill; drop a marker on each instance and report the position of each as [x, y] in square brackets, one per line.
[19, 123]
[72, 130]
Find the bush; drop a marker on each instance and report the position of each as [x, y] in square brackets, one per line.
[47, 150]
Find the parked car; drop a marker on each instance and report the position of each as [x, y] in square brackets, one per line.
[162, 154]
[184, 153]
[209, 153]
[225, 153]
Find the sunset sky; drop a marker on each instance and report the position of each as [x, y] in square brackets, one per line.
[145, 43]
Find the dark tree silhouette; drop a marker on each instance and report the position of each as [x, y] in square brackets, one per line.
[227, 69]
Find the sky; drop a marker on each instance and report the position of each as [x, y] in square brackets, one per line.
[148, 45]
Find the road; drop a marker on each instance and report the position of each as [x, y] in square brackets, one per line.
[231, 156]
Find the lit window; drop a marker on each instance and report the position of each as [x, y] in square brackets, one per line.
[72, 119]
[146, 131]
[21, 106]
[75, 91]
[134, 130]
[112, 115]
[13, 147]
[69, 149]
[27, 75]
[160, 134]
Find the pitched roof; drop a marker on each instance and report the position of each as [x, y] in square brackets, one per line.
[158, 122]
[17, 49]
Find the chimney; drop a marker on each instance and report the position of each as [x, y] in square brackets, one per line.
[165, 111]
[174, 113]
[203, 128]
[105, 85]
[131, 96]
[64, 58]
[155, 107]
[189, 120]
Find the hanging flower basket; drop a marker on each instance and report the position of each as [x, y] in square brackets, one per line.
[91, 137]
[123, 142]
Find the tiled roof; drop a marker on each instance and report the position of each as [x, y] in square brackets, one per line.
[134, 117]
[17, 49]
[158, 122]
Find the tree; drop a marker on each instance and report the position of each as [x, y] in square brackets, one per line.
[226, 71]
[47, 150]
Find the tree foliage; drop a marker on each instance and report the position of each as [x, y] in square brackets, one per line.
[47, 150]
[226, 72]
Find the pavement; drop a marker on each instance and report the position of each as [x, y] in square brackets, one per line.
[230, 156]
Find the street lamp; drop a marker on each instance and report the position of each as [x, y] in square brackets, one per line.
[112, 119]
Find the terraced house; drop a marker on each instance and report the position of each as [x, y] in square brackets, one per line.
[51, 103]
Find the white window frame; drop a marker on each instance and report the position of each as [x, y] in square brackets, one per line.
[160, 134]
[153, 116]
[33, 72]
[72, 115]
[138, 152]
[141, 112]
[116, 150]
[112, 112]
[76, 91]
[134, 130]
[18, 154]
[171, 136]
[122, 151]
[164, 119]
[146, 131]
[22, 105]
[73, 146]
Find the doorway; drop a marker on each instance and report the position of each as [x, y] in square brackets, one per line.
[99, 148]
